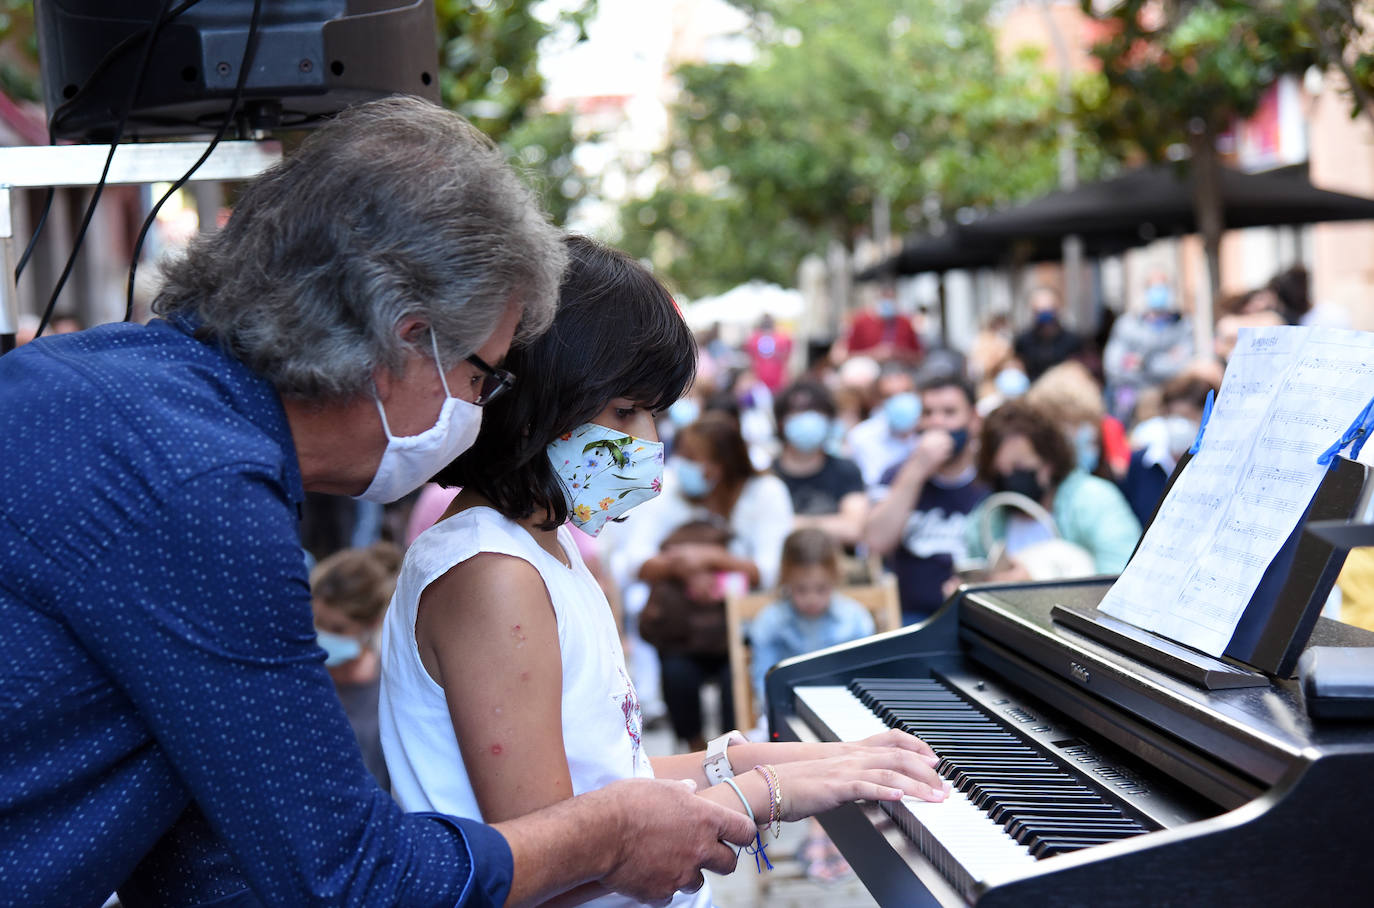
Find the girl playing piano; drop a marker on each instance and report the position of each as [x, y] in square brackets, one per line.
[504, 686]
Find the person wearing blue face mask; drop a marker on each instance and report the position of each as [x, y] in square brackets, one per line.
[349, 591]
[881, 331]
[1147, 347]
[827, 491]
[917, 522]
[504, 687]
[1047, 342]
[888, 435]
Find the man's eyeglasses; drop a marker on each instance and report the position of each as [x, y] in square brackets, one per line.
[495, 382]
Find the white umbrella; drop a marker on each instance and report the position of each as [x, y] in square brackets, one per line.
[744, 304]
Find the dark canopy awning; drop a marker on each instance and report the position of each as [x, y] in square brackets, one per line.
[1114, 215]
[1158, 201]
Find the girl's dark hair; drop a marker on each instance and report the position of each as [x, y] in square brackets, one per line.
[1017, 417]
[617, 333]
[810, 546]
[720, 435]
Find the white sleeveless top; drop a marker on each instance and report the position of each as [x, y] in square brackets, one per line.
[601, 719]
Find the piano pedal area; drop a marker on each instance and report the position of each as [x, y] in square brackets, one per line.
[1023, 787]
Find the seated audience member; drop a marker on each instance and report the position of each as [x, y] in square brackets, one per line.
[881, 332]
[1073, 398]
[917, 523]
[1293, 289]
[1159, 442]
[1147, 348]
[827, 491]
[1046, 343]
[349, 592]
[1009, 383]
[769, 348]
[504, 686]
[1022, 450]
[991, 347]
[809, 614]
[888, 435]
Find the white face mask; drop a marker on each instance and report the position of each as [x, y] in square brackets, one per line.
[409, 461]
[605, 473]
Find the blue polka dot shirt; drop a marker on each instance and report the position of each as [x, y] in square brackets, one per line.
[167, 727]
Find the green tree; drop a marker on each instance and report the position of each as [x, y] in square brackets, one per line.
[902, 103]
[488, 72]
[1177, 73]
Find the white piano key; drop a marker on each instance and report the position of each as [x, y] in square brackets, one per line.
[953, 830]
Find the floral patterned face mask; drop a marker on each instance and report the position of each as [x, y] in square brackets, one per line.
[605, 473]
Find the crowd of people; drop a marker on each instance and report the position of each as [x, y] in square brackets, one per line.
[256, 657]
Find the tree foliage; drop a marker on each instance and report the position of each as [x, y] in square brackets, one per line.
[1176, 73]
[1172, 71]
[488, 72]
[903, 101]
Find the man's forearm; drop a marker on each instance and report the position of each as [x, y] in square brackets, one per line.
[560, 847]
[883, 529]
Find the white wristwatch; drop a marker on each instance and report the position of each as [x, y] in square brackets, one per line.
[717, 763]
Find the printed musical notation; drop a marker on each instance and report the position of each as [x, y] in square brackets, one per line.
[1289, 392]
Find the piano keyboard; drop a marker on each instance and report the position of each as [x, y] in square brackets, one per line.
[1009, 805]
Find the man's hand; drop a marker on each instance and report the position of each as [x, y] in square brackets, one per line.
[933, 451]
[667, 836]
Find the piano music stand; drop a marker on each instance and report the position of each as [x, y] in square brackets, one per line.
[1276, 624]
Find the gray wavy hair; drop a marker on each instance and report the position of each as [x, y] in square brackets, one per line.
[396, 208]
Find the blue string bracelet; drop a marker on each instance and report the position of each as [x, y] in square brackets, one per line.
[760, 856]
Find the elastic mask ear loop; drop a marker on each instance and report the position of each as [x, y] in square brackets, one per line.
[438, 363]
[377, 399]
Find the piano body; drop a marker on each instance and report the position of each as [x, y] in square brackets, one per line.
[1090, 778]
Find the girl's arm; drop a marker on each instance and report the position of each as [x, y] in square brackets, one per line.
[744, 757]
[487, 628]
[487, 633]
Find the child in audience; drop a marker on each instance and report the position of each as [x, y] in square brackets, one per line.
[349, 591]
[809, 616]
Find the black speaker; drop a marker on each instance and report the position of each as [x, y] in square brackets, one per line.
[313, 59]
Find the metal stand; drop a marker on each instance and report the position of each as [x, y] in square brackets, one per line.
[39, 166]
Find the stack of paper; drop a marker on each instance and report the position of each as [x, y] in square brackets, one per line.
[1289, 393]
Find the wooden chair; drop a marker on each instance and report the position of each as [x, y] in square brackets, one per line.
[880, 598]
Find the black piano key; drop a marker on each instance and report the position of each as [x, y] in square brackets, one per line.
[1049, 847]
[1029, 829]
[1008, 811]
[988, 799]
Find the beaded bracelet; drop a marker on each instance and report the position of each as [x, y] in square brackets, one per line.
[760, 856]
[770, 777]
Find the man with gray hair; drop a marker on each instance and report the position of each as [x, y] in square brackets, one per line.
[167, 726]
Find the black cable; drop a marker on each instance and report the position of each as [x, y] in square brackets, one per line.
[104, 173]
[38, 228]
[113, 54]
[249, 49]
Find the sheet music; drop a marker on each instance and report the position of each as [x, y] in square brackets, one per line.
[1288, 394]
